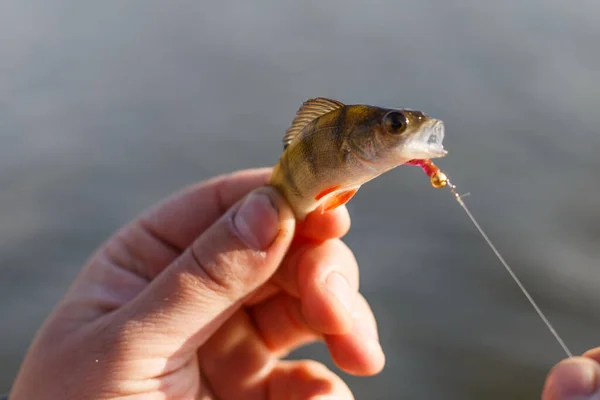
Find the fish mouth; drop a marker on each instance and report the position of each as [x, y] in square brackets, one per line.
[428, 143]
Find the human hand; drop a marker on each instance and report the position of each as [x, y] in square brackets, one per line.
[201, 297]
[576, 378]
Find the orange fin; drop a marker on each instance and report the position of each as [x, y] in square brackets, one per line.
[338, 199]
[326, 192]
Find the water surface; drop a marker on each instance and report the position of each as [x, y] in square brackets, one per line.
[107, 107]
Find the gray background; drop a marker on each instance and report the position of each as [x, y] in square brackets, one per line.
[107, 107]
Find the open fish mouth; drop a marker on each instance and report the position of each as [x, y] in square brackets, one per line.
[428, 143]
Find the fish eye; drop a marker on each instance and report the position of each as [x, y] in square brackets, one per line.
[395, 122]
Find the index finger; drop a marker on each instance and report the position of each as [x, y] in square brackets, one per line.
[329, 225]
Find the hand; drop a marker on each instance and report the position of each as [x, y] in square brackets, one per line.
[201, 297]
[576, 378]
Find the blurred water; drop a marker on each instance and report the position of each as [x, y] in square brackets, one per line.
[107, 107]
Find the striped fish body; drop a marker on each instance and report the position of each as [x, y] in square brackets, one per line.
[331, 149]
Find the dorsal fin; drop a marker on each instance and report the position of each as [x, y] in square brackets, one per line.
[309, 111]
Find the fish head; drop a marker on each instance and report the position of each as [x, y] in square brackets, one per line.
[409, 134]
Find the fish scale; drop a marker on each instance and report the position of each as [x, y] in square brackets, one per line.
[331, 149]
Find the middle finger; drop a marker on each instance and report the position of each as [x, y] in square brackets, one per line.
[325, 277]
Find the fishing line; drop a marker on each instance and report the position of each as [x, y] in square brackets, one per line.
[508, 268]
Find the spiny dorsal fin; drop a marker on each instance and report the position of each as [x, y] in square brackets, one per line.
[309, 111]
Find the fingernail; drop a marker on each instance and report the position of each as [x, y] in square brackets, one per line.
[587, 382]
[365, 328]
[576, 379]
[257, 221]
[340, 288]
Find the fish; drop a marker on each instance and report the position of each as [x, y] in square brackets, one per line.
[331, 149]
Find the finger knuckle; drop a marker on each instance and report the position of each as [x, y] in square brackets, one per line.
[312, 367]
[215, 275]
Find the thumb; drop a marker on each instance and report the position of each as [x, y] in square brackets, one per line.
[194, 295]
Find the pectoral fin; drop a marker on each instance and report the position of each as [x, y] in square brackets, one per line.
[326, 192]
[335, 199]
